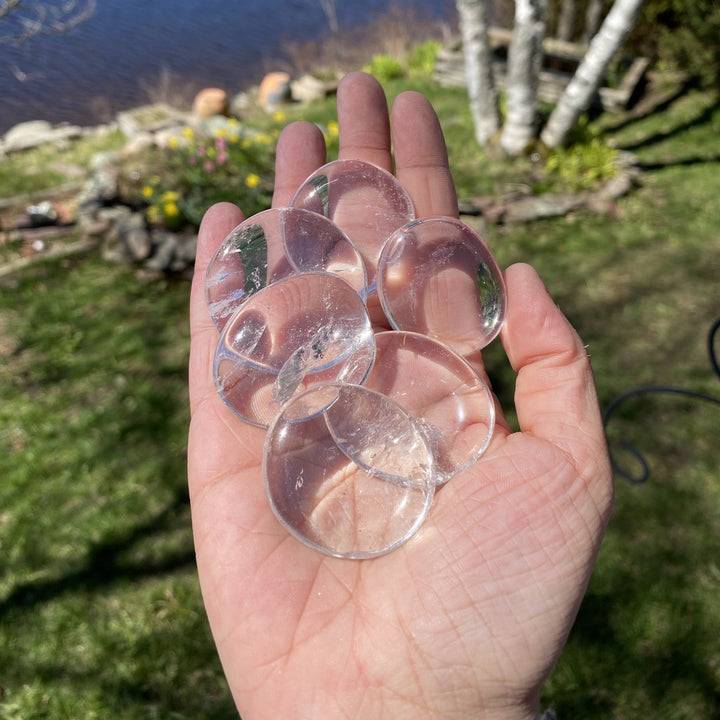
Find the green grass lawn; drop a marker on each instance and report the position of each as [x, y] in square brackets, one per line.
[100, 612]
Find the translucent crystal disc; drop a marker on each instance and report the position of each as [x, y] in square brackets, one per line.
[448, 400]
[436, 276]
[368, 203]
[304, 329]
[313, 242]
[272, 245]
[347, 471]
[249, 258]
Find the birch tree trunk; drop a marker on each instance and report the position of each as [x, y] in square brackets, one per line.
[524, 63]
[579, 93]
[478, 69]
[566, 20]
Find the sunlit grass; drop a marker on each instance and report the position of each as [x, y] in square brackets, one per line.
[100, 613]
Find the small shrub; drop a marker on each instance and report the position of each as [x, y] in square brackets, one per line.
[384, 68]
[585, 161]
[421, 60]
[580, 167]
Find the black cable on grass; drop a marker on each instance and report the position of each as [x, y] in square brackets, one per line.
[664, 390]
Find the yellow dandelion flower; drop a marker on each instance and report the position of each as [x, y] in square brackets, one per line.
[279, 116]
[147, 191]
[188, 133]
[173, 142]
[169, 196]
[333, 129]
[171, 210]
[252, 180]
[263, 139]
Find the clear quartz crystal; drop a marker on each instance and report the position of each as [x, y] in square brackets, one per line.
[365, 201]
[347, 471]
[272, 245]
[437, 276]
[302, 330]
[449, 401]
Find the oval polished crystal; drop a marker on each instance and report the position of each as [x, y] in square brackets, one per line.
[365, 201]
[271, 245]
[304, 329]
[350, 473]
[437, 277]
[449, 401]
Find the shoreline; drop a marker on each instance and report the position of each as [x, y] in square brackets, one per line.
[176, 82]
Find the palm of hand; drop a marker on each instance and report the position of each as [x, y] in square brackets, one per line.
[467, 617]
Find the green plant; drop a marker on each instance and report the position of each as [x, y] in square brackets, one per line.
[585, 162]
[681, 34]
[197, 170]
[384, 68]
[421, 60]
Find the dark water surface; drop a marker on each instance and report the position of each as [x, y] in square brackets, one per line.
[110, 61]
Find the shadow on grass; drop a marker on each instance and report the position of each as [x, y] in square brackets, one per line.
[680, 162]
[105, 565]
[701, 116]
[643, 630]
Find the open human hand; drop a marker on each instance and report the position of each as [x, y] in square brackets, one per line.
[467, 618]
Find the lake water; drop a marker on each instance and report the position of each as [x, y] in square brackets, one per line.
[109, 62]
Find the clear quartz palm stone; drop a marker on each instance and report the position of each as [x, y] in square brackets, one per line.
[304, 329]
[272, 245]
[438, 277]
[347, 471]
[365, 201]
[449, 401]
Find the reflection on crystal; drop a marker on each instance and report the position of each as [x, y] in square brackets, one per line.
[366, 202]
[296, 332]
[448, 400]
[353, 479]
[437, 277]
[272, 245]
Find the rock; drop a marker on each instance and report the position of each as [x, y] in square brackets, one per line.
[186, 249]
[32, 133]
[102, 186]
[149, 118]
[308, 89]
[138, 243]
[138, 143]
[42, 214]
[240, 103]
[274, 90]
[27, 130]
[209, 102]
[540, 206]
[220, 125]
[170, 136]
[166, 246]
[103, 159]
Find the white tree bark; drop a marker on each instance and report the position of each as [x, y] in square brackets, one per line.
[579, 93]
[524, 64]
[478, 69]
